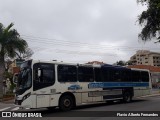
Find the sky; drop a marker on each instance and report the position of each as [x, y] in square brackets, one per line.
[78, 31]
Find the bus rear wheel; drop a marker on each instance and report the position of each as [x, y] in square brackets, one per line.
[66, 103]
[127, 97]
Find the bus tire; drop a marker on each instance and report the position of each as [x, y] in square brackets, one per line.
[110, 101]
[51, 108]
[66, 103]
[127, 97]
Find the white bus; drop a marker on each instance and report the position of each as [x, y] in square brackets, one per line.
[64, 85]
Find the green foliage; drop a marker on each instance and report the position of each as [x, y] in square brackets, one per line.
[11, 41]
[150, 19]
[12, 86]
[121, 63]
[129, 63]
[8, 75]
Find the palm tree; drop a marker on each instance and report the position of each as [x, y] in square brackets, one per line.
[10, 44]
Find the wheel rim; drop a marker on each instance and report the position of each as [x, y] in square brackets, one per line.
[127, 98]
[67, 103]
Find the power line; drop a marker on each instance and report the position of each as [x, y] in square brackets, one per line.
[49, 43]
[78, 44]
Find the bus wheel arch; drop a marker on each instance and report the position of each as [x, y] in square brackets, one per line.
[127, 96]
[67, 101]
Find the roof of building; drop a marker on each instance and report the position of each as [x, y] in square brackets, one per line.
[148, 67]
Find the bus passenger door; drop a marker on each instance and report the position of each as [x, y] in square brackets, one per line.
[96, 94]
[86, 98]
[43, 79]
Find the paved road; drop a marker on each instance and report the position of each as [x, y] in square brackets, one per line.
[95, 111]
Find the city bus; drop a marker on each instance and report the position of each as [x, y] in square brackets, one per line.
[44, 84]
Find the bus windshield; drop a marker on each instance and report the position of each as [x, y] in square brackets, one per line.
[24, 81]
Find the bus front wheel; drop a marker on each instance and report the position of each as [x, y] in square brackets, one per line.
[66, 103]
[127, 97]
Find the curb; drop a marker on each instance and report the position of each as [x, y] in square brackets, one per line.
[151, 95]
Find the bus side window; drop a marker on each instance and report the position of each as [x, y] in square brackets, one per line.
[145, 76]
[43, 75]
[107, 74]
[97, 74]
[126, 75]
[117, 75]
[85, 74]
[67, 73]
[136, 76]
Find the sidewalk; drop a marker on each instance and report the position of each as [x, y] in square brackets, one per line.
[5, 104]
[8, 101]
[154, 92]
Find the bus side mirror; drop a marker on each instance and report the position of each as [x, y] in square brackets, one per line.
[39, 72]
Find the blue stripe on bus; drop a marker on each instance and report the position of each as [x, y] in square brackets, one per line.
[117, 84]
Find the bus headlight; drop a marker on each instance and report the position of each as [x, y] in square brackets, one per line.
[26, 96]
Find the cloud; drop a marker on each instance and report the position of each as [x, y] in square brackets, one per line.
[77, 30]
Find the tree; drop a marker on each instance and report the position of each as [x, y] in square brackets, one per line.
[26, 55]
[150, 19]
[120, 63]
[129, 63]
[11, 43]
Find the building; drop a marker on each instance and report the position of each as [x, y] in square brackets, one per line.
[145, 57]
[15, 66]
[154, 70]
